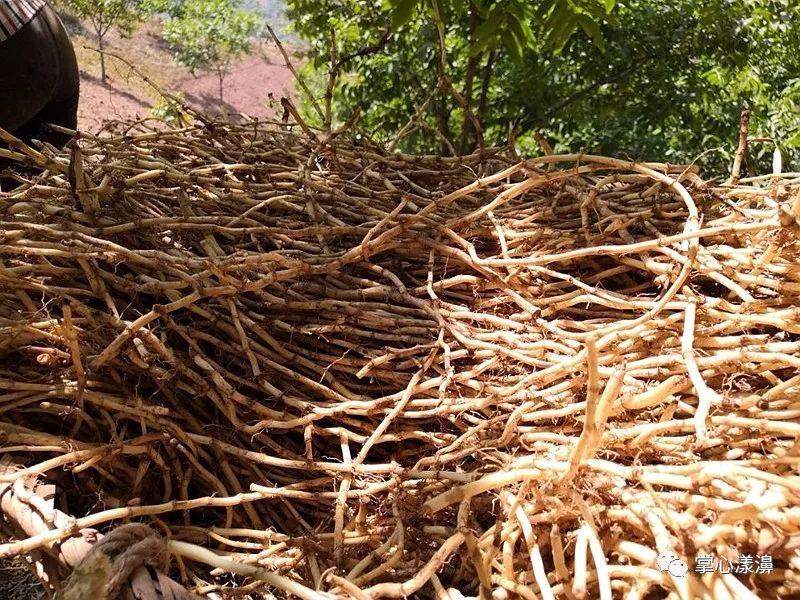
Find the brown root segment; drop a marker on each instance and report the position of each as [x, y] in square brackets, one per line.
[322, 370]
[741, 147]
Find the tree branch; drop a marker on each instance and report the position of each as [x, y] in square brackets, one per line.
[367, 50]
[444, 79]
[582, 92]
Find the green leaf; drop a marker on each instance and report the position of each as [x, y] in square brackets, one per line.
[793, 141]
[563, 26]
[485, 35]
[402, 11]
[592, 8]
[592, 29]
[513, 47]
[521, 29]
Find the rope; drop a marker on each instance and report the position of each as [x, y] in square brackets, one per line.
[106, 572]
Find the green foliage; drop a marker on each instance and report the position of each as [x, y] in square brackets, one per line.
[503, 24]
[123, 15]
[170, 110]
[102, 15]
[510, 23]
[672, 82]
[561, 18]
[391, 83]
[208, 34]
[652, 79]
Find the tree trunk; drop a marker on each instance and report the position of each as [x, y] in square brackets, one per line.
[102, 58]
[443, 123]
[469, 77]
[221, 76]
[467, 130]
[488, 71]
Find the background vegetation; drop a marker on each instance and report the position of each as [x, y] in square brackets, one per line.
[208, 34]
[103, 15]
[648, 79]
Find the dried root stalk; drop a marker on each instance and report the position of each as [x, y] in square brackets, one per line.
[325, 369]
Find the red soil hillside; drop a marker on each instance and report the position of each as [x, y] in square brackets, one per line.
[127, 96]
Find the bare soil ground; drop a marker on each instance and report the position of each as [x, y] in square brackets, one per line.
[247, 88]
[17, 581]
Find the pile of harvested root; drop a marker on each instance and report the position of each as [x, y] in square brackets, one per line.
[318, 369]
